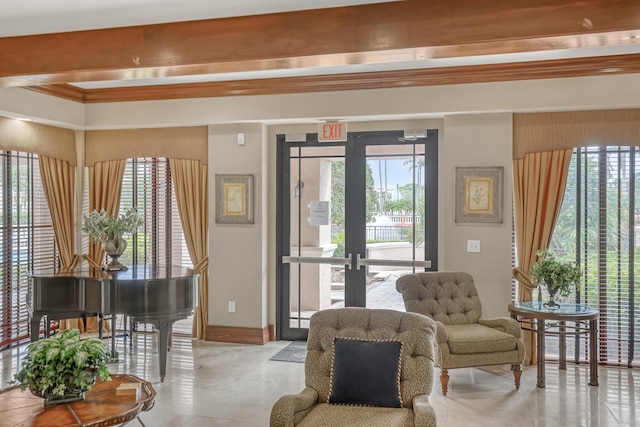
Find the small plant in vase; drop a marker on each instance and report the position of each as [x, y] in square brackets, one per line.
[559, 277]
[62, 367]
[109, 231]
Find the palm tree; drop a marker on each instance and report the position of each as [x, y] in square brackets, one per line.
[417, 164]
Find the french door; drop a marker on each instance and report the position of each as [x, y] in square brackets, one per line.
[352, 216]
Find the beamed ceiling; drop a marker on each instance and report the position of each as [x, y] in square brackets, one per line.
[384, 45]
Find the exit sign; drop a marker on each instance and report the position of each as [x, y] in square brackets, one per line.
[332, 131]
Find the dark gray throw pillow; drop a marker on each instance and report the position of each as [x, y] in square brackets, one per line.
[366, 373]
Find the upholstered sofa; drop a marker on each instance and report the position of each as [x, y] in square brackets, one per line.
[464, 338]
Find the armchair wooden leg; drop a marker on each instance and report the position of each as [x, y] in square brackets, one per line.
[517, 373]
[444, 380]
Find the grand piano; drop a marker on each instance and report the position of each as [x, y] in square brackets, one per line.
[159, 295]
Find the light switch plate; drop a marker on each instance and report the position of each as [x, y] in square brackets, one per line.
[473, 246]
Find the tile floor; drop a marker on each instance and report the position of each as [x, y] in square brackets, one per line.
[215, 384]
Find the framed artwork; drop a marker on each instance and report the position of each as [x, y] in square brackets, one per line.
[479, 194]
[234, 199]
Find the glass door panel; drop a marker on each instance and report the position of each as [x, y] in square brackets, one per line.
[352, 217]
[316, 256]
[395, 233]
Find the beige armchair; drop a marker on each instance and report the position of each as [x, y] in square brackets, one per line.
[464, 338]
[319, 403]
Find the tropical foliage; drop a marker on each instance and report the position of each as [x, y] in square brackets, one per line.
[558, 276]
[63, 360]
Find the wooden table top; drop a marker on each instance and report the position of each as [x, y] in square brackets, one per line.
[100, 408]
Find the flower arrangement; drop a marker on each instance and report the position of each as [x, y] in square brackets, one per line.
[100, 226]
[558, 276]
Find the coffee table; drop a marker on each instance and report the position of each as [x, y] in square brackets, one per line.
[100, 408]
[537, 317]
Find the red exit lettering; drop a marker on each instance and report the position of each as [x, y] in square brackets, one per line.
[332, 132]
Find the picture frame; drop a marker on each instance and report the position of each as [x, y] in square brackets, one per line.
[479, 194]
[234, 199]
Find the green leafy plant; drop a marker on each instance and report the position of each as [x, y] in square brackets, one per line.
[61, 362]
[558, 276]
[100, 226]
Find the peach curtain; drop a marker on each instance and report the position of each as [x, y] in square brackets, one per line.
[191, 185]
[105, 188]
[58, 180]
[538, 190]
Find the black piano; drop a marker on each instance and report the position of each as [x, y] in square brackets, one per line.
[159, 295]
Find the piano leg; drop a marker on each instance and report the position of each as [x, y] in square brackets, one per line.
[34, 331]
[114, 353]
[100, 322]
[164, 327]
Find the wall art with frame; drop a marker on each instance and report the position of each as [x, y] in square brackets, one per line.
[479, 194]
[234, 199]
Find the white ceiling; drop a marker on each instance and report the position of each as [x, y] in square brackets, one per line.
[23, 17]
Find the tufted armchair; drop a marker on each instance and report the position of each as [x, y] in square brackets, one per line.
[311, 407]
[464, 338]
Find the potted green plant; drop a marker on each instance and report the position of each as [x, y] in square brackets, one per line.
[62, 367]
[109, 230]
[559, 277]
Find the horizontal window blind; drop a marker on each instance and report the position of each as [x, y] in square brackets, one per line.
[599, 226]
[147, 186]
[27, 240]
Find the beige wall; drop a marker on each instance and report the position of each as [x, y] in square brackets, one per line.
[475, 129]
[479, 140]
[237, 252]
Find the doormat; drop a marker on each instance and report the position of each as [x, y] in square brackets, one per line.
[294, 352]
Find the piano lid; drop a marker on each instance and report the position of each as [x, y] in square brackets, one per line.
[135, 272]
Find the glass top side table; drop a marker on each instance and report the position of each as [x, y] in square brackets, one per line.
[533, 316]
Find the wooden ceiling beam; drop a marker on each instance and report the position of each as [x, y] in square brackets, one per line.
[366, 34]
[574, 67]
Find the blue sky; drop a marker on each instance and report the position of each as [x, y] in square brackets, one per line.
[396, 172]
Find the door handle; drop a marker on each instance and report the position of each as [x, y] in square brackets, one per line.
[391, 262]
[288, 259]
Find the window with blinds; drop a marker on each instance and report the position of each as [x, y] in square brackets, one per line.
[599, 225]
[147, 186]
[26, 240]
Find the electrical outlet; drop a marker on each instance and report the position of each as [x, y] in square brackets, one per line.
[473, 246]
[232, 306]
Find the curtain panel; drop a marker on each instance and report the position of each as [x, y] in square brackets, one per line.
[538, 189]
[58, 180]
[105, 187]
[191, 187]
